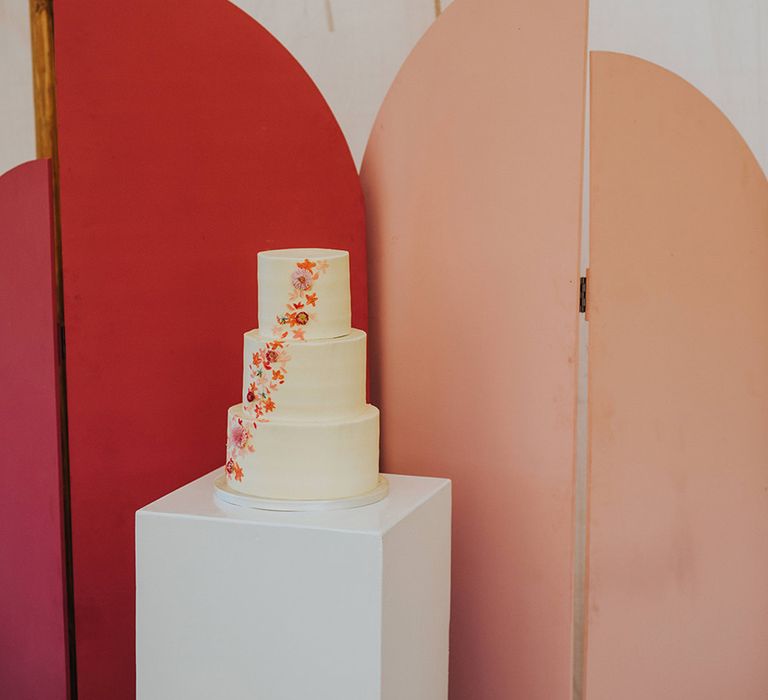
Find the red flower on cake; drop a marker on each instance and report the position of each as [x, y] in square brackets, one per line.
[270, 356]
[297, 318]
[311, 299]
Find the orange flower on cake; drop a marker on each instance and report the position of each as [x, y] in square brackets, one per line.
[234, 470]
[308, 265]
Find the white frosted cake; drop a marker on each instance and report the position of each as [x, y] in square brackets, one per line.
[303, 430]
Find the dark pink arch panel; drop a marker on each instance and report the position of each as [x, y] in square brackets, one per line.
[33, 641]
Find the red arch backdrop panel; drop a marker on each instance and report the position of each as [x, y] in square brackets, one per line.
[473, 191]
[678, 575]
[189, 139]
[33, 638]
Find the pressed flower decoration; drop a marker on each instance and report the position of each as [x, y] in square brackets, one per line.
[302, 278]
[238, 443]
[267, 368]
[302, 300]
[234, 470]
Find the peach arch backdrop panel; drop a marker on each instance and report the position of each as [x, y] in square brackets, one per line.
[678, 573]
[472, 179]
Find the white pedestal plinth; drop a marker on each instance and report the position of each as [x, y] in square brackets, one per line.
[236, 603]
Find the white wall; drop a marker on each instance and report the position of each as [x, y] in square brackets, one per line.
[17, 109]
[352, 49]
[719, 46]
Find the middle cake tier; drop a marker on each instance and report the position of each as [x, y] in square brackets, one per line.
[304, 380]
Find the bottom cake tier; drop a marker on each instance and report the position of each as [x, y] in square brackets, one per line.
[303, 460]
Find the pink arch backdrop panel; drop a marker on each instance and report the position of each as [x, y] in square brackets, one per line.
[33, 638]
[472, 179]
[189, 139]
[678, 574]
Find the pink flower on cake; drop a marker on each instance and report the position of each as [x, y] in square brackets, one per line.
[262, 382]
[239, 438]
[239, 435]
[299, 334]
[322, 265]
[301, 279]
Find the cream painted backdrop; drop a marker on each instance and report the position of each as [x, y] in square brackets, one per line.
[352, 49]
[17, 109]
[720, 46]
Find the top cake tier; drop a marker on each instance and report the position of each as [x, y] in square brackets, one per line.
[304, 293]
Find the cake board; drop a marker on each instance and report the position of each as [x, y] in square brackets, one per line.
[229, 495]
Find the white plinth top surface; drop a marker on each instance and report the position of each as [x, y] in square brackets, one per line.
[406, 493]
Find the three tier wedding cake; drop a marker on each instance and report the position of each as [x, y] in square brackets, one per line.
[303, 430]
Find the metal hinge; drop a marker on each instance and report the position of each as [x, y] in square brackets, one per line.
[583, 295]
